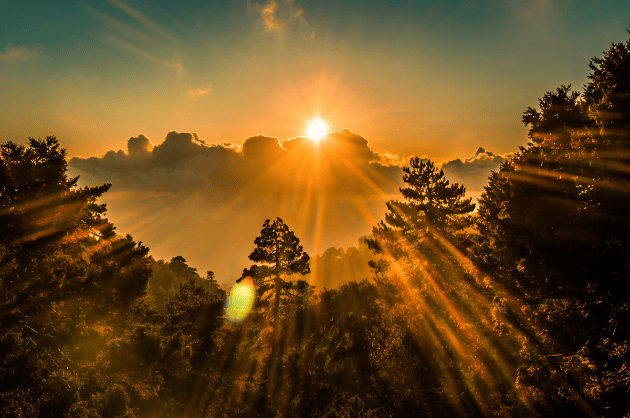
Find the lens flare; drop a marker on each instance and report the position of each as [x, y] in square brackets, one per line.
[241, 300]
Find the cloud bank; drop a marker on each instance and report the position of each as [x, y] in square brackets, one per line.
[208, 202]
[473, 172]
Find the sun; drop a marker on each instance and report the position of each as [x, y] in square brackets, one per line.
[316, 129]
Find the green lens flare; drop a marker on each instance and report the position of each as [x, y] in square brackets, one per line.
[240, 301]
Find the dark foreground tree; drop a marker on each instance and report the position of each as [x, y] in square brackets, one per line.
[68, 285]
[46, 222]
[554, 229]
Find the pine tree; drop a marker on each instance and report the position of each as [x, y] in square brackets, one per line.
[433, 208]
[64, 274]
[281, 255]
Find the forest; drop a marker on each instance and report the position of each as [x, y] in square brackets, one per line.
[514, 307]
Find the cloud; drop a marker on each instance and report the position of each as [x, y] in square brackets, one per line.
[16, 53]
[268, 15]
[140, 146]
[177, 66]
[276, 16]
[208, 202]
[341, 162]
[262, 149]
[473, 172]
[198, 92]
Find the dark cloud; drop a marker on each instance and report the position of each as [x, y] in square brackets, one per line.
[354, 146]
[179, 148]
[262, 148]
[473, 172]
[139, 147]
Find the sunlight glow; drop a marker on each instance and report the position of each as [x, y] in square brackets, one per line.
[316, 129]
[241, 300]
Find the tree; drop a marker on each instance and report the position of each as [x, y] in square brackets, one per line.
[553, 227]
[197, 313]
[280, 253]
[606, 95]
[68, 283]
[433, 208]
[422, 240]
[43, 217]
[39, 203]
[556, 214]
[560, 121]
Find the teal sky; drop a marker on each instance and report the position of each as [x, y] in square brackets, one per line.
[414, 78]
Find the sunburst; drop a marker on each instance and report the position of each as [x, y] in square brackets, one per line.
[316, 129]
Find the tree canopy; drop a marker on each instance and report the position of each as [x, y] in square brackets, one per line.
[553, 227]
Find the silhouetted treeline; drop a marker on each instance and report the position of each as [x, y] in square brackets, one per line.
[517, 309]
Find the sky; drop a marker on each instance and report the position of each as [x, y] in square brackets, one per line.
[197, 111]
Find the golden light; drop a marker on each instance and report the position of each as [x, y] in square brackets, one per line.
[316, 129]
[241, 300]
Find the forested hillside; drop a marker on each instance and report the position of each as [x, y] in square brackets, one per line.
[516, 307]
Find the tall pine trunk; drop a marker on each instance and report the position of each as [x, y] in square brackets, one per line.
[278, 288]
